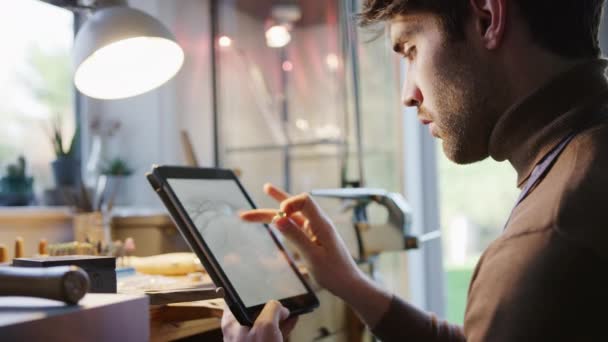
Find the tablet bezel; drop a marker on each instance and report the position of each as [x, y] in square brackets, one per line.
[246, 315]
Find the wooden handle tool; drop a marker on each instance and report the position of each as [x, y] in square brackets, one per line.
[63, 283]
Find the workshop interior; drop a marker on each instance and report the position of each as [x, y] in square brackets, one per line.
[288, 92]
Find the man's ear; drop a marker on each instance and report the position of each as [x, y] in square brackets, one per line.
[490, 21]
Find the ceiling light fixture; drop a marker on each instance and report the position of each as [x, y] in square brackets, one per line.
[283, 16]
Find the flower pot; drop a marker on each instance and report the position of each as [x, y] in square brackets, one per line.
[66, 171]
[16, 191]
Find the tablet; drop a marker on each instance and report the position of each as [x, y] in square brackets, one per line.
[245, 259]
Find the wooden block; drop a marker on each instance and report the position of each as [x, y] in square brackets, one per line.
[101, 269]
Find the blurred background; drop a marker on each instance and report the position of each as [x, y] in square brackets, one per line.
[288, 92]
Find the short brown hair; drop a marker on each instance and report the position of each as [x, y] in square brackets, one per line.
[451, 13]
[568, 28]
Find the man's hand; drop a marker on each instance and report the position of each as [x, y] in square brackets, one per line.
[271, 325]
[305, 225]
[316, 238]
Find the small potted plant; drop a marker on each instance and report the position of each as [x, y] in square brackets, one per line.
[16, 188]
[66, 166]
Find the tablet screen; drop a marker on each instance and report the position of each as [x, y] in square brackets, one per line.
[248, 255]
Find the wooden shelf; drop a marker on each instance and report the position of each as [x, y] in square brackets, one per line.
[273, 147]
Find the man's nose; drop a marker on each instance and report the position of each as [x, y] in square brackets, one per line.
[412, 96]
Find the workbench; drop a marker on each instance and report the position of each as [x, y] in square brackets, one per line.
[98, 317]
[332, 321]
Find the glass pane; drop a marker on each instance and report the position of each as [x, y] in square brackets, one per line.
[475, 202]
[283, 110]
[380, 110]
[297, 103]
[35, 83]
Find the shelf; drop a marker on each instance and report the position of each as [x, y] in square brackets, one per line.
[332, 155]
[274, 147]
[35, 213]
[313, 155]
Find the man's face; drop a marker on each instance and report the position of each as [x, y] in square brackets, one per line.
[452, 86]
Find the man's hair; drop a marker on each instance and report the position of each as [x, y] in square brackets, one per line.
[451, 13]
[568, 28]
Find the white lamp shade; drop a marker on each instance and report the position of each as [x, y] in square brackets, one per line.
[122, 52]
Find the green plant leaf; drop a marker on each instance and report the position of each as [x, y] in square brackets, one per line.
[117, 167]
[74, 142]
[58, 143]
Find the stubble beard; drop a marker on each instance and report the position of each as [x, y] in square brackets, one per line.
[466, 111]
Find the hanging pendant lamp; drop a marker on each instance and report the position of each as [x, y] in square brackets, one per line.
[121, 52]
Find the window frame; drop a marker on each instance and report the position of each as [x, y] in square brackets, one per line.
[427, 280]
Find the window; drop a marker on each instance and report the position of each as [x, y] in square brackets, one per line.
[35, 83]
[475, 201]
[300, 100]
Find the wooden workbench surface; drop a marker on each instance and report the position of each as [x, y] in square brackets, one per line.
[174, 321]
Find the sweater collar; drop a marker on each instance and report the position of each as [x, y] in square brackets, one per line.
[537, 123]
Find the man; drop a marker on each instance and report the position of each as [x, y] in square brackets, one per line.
[517, 80]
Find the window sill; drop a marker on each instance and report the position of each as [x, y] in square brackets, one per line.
[34, 213]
